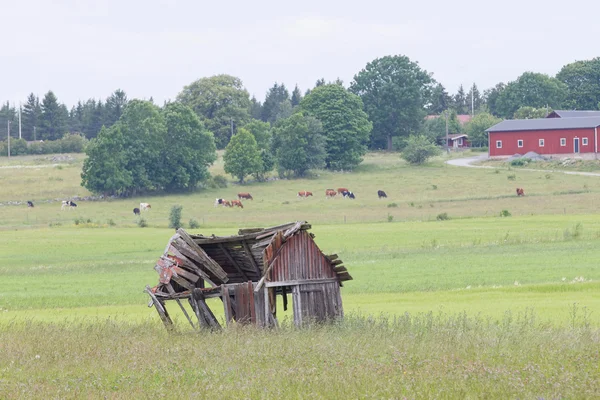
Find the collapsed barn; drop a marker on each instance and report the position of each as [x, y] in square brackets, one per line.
[247, 272]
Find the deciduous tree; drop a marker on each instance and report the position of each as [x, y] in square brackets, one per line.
[533, 90]
[582, 79]
[221, 102]
[298, 144]
[476, 128]
[394, 91]
[419, 149]
[242, 157]
[346, 126]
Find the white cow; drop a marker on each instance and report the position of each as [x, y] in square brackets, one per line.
[67, 204]
[145, 206]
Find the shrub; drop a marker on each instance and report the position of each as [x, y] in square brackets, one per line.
[392, 205]
[419, 149]
[505, 213]
[175, 217]
[142, 223]
[217, 182]
[442, 217]
[390, 217]
[511, 177]
[18, 147]
[194, 224]
[520, 162]
[72, 143]
[111, 222]
[434, 187]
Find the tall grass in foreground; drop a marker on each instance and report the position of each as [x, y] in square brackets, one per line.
[414, 356]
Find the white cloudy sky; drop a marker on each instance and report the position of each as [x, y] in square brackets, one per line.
[83, 49]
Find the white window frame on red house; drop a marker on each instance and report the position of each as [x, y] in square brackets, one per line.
[563, 141]
[541, 142]
[584, 141]
[498, 144]
[520, 143]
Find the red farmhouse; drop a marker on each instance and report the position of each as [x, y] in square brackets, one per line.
[551, 136]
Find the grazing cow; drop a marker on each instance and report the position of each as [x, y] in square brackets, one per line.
[329, 193]
[219, 202]
[67, 204]
[237, 203]
[145, 206]
[348, 195]
[304, 194]
[520, 192]
[136, 211]
[245, 195]
[30, 204]
[381, 193]
[342, 190]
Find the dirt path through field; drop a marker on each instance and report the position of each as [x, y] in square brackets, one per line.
[467, 162]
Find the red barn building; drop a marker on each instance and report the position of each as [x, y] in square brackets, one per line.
[551, 136]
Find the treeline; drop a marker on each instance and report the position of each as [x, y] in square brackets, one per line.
[331, 125]
[50, 119]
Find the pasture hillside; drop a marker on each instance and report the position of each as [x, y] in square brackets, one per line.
[414, 194]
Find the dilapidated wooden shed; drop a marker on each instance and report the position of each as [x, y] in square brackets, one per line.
[247, 272]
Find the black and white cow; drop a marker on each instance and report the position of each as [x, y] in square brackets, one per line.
[68, 204]
[348, 195]
[30, 203]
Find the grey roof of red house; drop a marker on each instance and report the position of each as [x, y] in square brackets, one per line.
[575, 113]
[457, 135]
[512, 125]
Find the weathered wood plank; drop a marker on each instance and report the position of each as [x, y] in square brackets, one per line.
[233, 262]
[185, 274]
[172, 291]
[207, 262]
[204, 312]
[160, 309]
[251, 257]
[226, 304]
[301, 282]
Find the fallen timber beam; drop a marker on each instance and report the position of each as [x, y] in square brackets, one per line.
[232, 261]
[206, 261]
[172, 291]
[206, 318]
[160, 309]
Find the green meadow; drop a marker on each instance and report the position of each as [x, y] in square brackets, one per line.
[461, 289]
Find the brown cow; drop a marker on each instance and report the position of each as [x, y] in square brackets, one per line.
[520, 192]
[237, 203]
[330, 193]
[245, 195]
[342, 190]
[226, 203]
[304, 194]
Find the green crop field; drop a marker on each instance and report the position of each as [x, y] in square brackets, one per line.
[461, 289]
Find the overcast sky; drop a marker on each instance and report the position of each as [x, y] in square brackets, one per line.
[83, 49]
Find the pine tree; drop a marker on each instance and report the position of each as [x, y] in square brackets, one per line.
[30, 117]
[277, 95]
[460, 101]
[115, 104]
[296, 96]
[53, 121]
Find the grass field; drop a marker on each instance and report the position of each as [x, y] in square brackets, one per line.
[475, 306]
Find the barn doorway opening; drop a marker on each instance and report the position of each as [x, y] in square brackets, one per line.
[576, 145]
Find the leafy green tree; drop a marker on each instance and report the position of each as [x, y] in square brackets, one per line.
[298, 144]
[53, 120]
[476, 128]
[242, 156]
[527, 112]
[434, 129]
[105, 168]
[221, 102]
[582, 79]
[346, 126]
[531, 89]
[187, 149]
[262, 134]
[30, 117]
[394, 91]
[419, 149]
[277, 97]
[491, 98]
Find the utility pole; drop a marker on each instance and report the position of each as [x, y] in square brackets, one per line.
[446, 117]
[19, 120]
[472, 101]
[34, 138]
[231, 119]
[8, 139]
